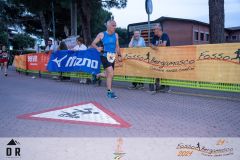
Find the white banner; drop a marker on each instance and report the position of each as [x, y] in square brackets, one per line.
[124, 148]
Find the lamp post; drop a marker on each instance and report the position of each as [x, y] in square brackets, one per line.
[149, 9]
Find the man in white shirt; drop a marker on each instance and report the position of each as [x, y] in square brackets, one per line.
[80, 46]
[137, 41]
[50, 46]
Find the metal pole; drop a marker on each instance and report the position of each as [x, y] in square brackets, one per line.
[71, 6]
[53, 22]
[73, 18]
[148, 29]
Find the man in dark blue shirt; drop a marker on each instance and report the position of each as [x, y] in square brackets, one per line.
[160, 39]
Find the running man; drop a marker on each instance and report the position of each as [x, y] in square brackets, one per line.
[110, 49]
[4, 59]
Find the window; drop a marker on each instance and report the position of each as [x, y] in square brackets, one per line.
[227, 38]
[201, 36]
[207, 36]
[195, 35]
[234, 37]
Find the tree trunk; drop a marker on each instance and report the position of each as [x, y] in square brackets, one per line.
[73, 17]
[85, 13]
[44, 27]
[216, 20]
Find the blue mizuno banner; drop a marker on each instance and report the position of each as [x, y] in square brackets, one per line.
[75, 61]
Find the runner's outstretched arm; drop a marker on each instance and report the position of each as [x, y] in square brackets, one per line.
[96, 40]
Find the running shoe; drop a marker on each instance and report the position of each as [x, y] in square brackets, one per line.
[111, 94]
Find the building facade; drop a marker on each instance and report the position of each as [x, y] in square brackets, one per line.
[183, 31]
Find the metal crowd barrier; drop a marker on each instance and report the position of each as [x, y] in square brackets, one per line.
[178, 83]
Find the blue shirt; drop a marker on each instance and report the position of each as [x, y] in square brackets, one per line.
[109, 43]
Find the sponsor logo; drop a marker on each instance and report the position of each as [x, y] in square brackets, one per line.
[218, 150]
[74, 61]
[58, 61]
[207, 55]
[33, 58]
[118, 155]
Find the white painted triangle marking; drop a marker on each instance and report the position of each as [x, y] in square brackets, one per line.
[83, 113]
[92, 114]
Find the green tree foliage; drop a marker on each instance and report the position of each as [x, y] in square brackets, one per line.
[122, 34]
[37, 16]
[4, 38]
[113, 3]
[99, 18]
[21, 41]
[38, 19]
[10, 13]
[85, 9]
[3, 34]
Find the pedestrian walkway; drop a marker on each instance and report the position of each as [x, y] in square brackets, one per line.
[179, 113]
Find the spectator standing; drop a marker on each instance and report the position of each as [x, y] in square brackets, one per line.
[50, 47]
[160, 39]
[137, 41]
[81, 47]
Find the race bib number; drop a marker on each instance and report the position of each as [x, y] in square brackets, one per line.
[111, 57]
[4, 55]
